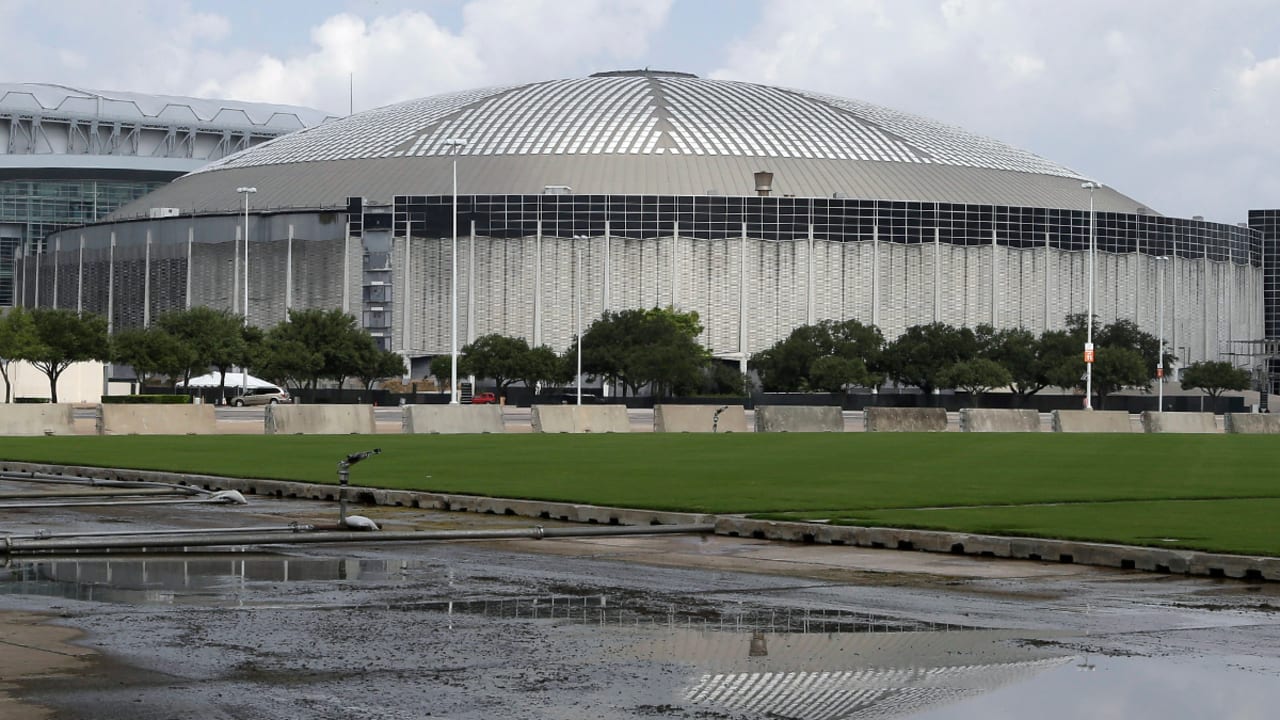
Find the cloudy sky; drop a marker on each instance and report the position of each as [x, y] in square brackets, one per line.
[1176, 103]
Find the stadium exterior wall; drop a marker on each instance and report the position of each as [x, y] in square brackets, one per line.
[753, 272]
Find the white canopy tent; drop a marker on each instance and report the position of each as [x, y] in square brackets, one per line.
[234, 380]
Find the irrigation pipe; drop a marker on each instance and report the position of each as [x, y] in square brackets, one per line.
[17, 547]
[220, 497]
[98, 482]
[43, 535]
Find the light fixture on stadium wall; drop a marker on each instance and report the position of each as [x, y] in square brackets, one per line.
[456, 145]
[1088, 320]
[764, 183]
[246, 191]
[1163, 259]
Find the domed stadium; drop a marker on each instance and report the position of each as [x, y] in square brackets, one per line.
[762, 208]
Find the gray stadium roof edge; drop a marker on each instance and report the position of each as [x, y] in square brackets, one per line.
[631, 133]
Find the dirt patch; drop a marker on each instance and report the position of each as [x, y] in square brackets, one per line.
[31, 649]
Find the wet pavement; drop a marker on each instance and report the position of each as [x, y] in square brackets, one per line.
[616, 627]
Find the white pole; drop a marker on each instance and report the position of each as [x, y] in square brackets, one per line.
[1160, 323]
[578, 288]
[456, 144]
[246, 191]
[1088, 343]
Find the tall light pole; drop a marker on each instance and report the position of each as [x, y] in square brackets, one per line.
[1160, 358]
[456, 144]
[246, 191]
[1088, 343]
[577, 291]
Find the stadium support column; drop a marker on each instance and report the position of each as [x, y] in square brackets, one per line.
[607, 269]
[57, 250]
[742, 304]
[406, 300]
[35, 298]
[875, 275]
[346, 269]
[1047, 275]
[1204, 305]
[675, 265]
[537, 284]
[995, 277]
[146, 283]
[80, 278]
[288, 274]
[471, 292]
[235, 277]
[810, 315]
[937, 274]
[191, 241]
[111, 284]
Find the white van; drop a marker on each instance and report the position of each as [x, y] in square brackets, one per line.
[267, 395]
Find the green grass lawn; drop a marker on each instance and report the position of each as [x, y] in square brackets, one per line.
[1214, 492]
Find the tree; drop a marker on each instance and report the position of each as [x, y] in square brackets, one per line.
[921, 354]
[655, 347]
[150, 351]
[286, 361]
[495, 356]
[17, 337]
[377, 364]
[542, 366]
[64, 337]
[976, 377]
[1023, 355]
[213, 337]
[834, 373]
[1214, 378]
[786, 365]
[442, 367]
[1124, 356]
[330, 340]
[1116, 368]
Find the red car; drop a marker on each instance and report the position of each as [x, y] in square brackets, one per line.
[484, 398]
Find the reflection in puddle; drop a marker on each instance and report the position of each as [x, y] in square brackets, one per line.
[173, 581]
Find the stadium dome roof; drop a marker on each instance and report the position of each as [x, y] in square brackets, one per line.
[636, 133]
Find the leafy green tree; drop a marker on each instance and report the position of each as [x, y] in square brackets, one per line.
[721, 378]
[1215, 378]
[1116, 368]
[501, 358]
[442, 367]
[17, 338]
[63, 337]
[377, 364]
[215, 339]
[1023, 355]
[330, 336]
[976, 377]
[150, 351]
[286, 361]
[655, 347]
[542, 366]
[786, 365]
[921, 354]
[834, 373]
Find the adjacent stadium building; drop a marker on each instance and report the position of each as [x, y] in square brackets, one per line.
[761, 208]
[70, 156]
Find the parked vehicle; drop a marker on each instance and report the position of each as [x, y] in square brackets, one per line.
[484, 398]
[269, 395]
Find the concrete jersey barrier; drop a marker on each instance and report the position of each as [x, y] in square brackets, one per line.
[797, 418]
[1251, 423]
[580, 419]
[699, 418]
[37, 419]
[1178, 422]
[896, 419]
[116, 419]
[994, 420]
[319, 420]
[1091, 421]
[453, 419]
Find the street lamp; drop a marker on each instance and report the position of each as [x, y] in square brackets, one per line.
[577, 291]
[1160, 358]
[246, 191]
[1088, 343]
[456, 144]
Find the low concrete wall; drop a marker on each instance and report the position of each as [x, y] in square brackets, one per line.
[794, 418]
[319, 420]
[580, 419]
[453, 419]
[992, 420]
[37, 419]
[1178, 422]
[699, 418]
[1091, 421]
[1251, 423]
[156, 420]
[894, 419]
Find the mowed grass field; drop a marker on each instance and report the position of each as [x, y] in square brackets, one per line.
[1209, 492]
